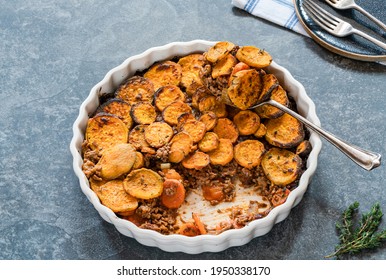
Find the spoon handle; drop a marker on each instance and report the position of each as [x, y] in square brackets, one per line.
[366, 13]
[366, 159]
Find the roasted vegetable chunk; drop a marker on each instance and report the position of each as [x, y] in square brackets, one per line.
[224, 66]
[173, 194]
[136, 89]
[116, 161]
[209, 119]
[105, 130]
[192, 66]
[254, 56]
[119, 108]
[143, 183]
[284, 132]
[225, 128]
[270, 83]
[304, 148]
[245, 88]
[247, 122]
[164, 73]
[281, 166]
[143, 113]
[270, 112]
[209, 142]
[113, 195]
[195, 129]
[223, 154]
[158, 134]
[196, 160]
[137, 139]
[219, 51]
[172, 112]
[211, 103]
[181, 145]
[166, 95]
[249, 153]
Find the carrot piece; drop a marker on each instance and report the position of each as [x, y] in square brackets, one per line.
[213, 193]
[239, 66]
[172, 174]
[189, 229]
[199, 224]
[173, 194]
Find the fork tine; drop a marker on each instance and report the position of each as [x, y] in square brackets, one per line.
[317, 17]
[323, 12]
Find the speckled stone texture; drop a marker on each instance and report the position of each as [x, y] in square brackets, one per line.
[53, 52]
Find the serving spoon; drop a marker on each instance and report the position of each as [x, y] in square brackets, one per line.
[364, 158]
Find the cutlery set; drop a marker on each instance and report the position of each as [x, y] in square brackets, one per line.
[336, 26]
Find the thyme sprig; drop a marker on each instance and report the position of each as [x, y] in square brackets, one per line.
[355, 238]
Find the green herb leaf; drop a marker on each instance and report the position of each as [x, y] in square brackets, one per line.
[354, 239]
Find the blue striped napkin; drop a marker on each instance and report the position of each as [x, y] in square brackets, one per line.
[281, 12]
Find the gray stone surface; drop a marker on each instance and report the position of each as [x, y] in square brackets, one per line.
[53, 52]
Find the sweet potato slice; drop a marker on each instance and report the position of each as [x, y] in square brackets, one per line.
[225, 128]
[209, 142]
[261, 131]
[270, 83]
[224, 66]
[192, 66]
[116, 161]
[304, 148]
[245, 89]
[249, 153]
[223, 154]
[247, 122]
[158, 134]
[184, 118]
[164, 73]
[119, 108]
[284, 131]
[105, 130]
[137, 139]
[172, 112]
[181, 145]
[218, 51]
[136, 89]
[195, 129]
[200, 93]
[254, 56]
[281, 166]
[209, 118]
[211, 103]
[196, 160]
[173, 194]
[143, 113]
[113, 195]
[270, 112]
[166, 95]
[139, 160]
[143, 184]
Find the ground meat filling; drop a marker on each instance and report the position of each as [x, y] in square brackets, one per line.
[156, 217]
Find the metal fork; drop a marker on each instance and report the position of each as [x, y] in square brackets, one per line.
[335, 25]
[350, 4]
